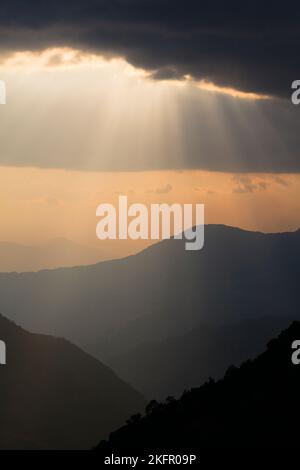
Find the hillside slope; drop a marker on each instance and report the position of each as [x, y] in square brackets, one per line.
[186, 361]
[54, 396]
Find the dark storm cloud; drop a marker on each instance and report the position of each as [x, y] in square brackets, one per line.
[252, 46]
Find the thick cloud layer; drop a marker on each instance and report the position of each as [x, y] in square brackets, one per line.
[252, 46]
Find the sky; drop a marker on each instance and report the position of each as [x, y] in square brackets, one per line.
[163, 101]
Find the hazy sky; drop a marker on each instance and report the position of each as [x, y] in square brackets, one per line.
[192, 106]
[38, 205]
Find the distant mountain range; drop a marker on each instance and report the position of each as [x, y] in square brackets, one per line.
[162, 291]
[56, 253]
[255, 406]
[136, 312]
[54, 396]
[60, 252]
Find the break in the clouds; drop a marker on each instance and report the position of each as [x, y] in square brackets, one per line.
[250, 46]
[103, 117]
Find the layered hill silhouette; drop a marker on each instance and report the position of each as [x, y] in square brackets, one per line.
[54, 396]
[112, 307]
[254, 406]
[166, 367]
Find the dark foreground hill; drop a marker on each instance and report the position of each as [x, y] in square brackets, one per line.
[254, 406]
[54, 396]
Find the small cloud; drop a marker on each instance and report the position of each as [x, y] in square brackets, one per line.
[64, 56]
[263, 185]
[55, 60]
[130, 192]
[164, 190]
[282, 182]
[52, 201]
[242, 189]
[203, 190]
[247, 185]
